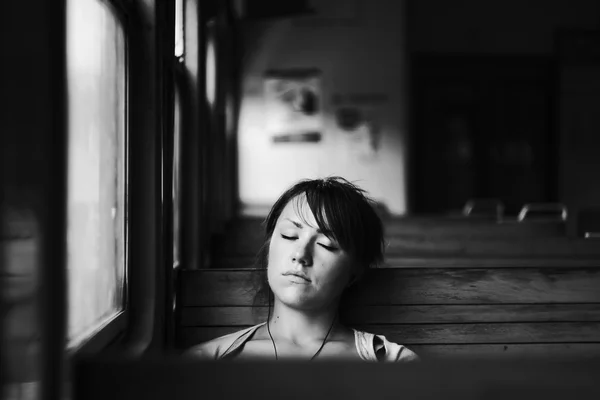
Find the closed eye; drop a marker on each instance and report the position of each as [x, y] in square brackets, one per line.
[328, 248]
[288, 237]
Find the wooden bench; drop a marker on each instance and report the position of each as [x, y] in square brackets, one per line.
[435, 226]
[243, 237]
[456, 251]
[513, 312]
[433, 241]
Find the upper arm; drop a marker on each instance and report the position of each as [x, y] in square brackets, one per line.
[201, 351]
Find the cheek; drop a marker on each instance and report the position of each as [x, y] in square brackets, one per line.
[278, 253]
[272, 256]
[336, 276]
[274, 263]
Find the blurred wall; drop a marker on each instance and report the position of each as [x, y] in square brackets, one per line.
[362, 48]
[359, 47]
[496, 26]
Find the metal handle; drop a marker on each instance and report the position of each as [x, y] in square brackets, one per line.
[544, 207]
[473, 204]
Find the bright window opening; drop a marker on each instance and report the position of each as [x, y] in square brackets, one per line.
[179, 35]
[176, 194]
[211, 64]
[96, 62]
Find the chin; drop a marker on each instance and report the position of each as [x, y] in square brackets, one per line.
[299, 299]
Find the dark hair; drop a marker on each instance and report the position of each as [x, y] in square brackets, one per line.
[342, 210]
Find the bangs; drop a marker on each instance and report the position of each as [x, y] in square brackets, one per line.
[337, 216]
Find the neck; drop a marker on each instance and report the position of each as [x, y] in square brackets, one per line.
[302, 327]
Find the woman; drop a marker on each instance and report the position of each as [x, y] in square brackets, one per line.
[321, 237]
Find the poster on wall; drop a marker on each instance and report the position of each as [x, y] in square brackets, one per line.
[293, 105]
[358, 117]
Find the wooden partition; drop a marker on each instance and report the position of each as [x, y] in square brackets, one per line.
[456, 252]
[416, 241]
[522, 312]
[180, 378]
[243, 237]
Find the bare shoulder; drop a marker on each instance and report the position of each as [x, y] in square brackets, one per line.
[206, 350]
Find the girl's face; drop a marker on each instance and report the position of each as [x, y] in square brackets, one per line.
[306, 269]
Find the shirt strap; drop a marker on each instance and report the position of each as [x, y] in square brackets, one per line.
[244, 336]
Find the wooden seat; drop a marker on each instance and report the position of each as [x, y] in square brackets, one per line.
[420, 236]
[522, 312]
[403, 251]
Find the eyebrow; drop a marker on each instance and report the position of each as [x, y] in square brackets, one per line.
[299, 225]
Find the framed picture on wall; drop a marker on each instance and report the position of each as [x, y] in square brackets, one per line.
[293, 105]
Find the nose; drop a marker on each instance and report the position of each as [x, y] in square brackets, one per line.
[302, 253]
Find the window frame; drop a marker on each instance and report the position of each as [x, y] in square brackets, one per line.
[140, 326]
[151, 49]
[134, 328]
[193, 240]
[173, 288]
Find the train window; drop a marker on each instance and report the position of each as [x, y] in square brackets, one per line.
[96, 197]
[177, 127]
[211, 63]
[179, 38]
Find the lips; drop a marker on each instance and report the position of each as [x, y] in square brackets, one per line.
[298, 275]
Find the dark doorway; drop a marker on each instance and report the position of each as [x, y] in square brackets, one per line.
[483, 129]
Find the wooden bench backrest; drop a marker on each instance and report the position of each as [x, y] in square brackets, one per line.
[456, 251]
[514, 312]
[245, 236]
